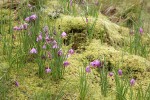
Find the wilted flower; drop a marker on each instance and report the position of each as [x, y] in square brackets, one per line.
[49, 55]
[54, 32]
[97, 3]
[48, 70]
[16, 83]
[88, 69]
[60, 52]
[45, 29]
[120, 72]
[66, 63]
[33, 51]
[43, 57]
[63, 35]
[95, 63]
[141, 30]
[131, 32]
[132, 82]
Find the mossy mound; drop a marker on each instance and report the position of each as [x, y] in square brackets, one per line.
[103, 29]
[116, 58]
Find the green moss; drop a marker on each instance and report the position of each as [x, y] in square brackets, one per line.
[5, 16]
[105, 30]
[126, 61]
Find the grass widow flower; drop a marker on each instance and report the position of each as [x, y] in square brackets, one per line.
[63, 35]
[60, 52]
[16, 83]
[27, 19]
[71, 51]
[33, 51]
[95, 63]
[44, 46]
[33, 17]
[120, 72]
[16, 28]
[88, 69]
[141, 30]
[111, 74]
[25, 26]
[132, 82]
[70, 2]
[66, 63]
[48, 70]
[39, 38]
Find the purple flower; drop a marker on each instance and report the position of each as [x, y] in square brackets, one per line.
[16, 83]
[88, 69]
[120, 72]
[25, 26]
[47, 38]
[33, 51]
[141, 30]
[16, 28]
[111, 74]
[66, 63]
[29, 5]
[39, 37]
[60, 52]
[63, 35]
[86, 20]
[44, 46]
[33, 17]
[21, 27]
[95, 63]
[55, 46]
[48, 70]
[132, 82]
[70, 2]
[71, 51]
[27, 19]
[54, 42]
